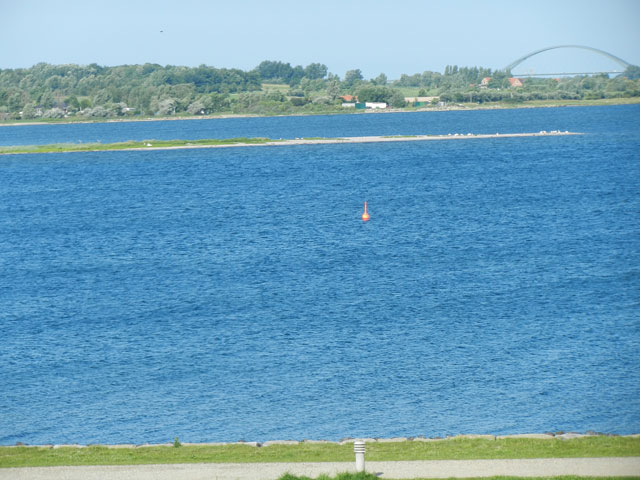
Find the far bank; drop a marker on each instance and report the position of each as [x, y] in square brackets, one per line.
[338, 111]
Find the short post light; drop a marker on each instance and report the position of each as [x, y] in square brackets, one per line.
[358, 449]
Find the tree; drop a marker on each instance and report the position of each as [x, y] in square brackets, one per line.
[154, 89]
[53, 113]
[101, 97]
[98, 111]
[16, 100]
[374, 93]
[333, 87]
[500, 79]
[308, 86]
[29, 111]
[116, 109]
[196, 108]
[298, 101]
[323, 100]
[632, 72]
[217, 102]
[72, 102]
[166, 107]
[270, 70]
[397, 100]
[297, 74]
[451, 70]
[315, 71]
[380, 80]
[352, 77]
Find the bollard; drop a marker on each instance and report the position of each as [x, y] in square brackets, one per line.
[358, 448]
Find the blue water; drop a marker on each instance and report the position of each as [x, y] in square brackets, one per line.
[587, 119]
[228, 294]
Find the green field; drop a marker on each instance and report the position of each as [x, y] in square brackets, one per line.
[279, 87]
[450, 449]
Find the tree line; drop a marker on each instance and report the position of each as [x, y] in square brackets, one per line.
[56, 91]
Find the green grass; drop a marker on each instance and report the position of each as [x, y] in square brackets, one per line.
[414, 91]
[450, 449]
[281, 87]
[90, 147]
[371, 476]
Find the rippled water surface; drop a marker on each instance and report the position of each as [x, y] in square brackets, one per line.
[227, 294]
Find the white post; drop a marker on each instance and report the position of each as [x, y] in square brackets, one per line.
[358, 448]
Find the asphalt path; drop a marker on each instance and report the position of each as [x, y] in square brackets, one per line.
[619, 466]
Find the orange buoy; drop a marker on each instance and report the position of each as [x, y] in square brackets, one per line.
[365, 215]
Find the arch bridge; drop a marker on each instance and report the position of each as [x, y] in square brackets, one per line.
[610, 56]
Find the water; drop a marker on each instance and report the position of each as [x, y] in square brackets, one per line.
[227, 294]
[586, 119]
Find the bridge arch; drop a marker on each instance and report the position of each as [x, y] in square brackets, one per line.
[618, 60]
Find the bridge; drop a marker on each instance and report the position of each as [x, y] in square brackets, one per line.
[610, 56]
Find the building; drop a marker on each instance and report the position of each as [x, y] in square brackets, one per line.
[363, 105]
[515, 82]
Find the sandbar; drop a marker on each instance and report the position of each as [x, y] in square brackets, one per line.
[367, 139]
[230, 143]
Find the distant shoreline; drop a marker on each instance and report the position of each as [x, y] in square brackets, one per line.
[145, 145]
[456, 107]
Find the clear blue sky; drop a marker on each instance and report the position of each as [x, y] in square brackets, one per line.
[394, 37]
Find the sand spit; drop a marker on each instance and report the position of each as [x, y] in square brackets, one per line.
[369, 139]
[146, 146]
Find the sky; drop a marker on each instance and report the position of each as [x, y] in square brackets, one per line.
[375, 36]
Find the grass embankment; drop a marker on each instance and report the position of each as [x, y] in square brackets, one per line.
[371, 476]
[450, 449]
[130, 145]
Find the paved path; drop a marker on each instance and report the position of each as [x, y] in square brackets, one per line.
[629, 466]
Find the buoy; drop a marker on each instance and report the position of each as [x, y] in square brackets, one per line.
[365, 215]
